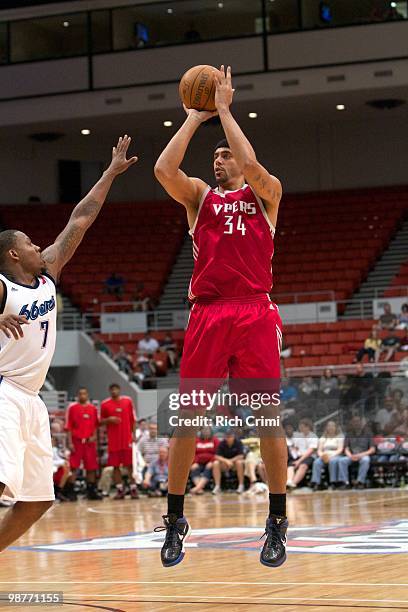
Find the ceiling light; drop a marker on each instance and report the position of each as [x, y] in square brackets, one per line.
[65, 24]
[340, 107]
[85, 132]
[220, 5]
[252, 115]
[393, 4]
[170, 11]
[167, 123]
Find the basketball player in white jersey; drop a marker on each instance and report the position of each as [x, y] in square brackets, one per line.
[27, 341]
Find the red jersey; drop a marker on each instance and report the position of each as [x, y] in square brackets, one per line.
[232, 246]
[119, 434]
[205, 450]
[82, 420]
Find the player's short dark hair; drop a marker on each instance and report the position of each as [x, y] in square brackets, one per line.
[7, 242]
[223, 144]
[114, 386]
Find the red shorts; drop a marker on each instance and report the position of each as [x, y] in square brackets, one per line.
[121, 457]
[58, 475]
[240, 338]
[84, 452]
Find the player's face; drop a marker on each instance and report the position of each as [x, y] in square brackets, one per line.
[29, 254]
[115, 392]
[83, 396]
[225, 167]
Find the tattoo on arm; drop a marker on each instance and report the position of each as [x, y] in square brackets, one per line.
[87, 209]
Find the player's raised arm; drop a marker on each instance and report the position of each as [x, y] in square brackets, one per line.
[178, 185]
[85, 213]
[267, 187]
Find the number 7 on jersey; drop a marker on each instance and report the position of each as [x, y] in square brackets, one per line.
[44, 326]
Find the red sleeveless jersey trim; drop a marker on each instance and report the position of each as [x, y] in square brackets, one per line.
[232, 246]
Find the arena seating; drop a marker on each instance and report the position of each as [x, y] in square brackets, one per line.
[328, 242]
[312, 344]
[399, 284]
[139, 241]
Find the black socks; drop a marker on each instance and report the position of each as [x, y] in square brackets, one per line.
[277, 504]
[175, 504]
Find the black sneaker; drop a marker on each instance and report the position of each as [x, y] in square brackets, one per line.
[273, 553]
[177, 530]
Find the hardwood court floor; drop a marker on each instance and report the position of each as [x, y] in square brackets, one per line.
[348, 551]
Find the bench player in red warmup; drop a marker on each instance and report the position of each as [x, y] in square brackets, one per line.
[234, 328]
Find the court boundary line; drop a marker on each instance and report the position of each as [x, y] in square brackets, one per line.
[209, 583]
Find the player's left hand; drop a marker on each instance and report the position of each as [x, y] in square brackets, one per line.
[119, 163]
[223, 89]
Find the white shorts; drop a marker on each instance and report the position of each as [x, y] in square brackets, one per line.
[26, 465]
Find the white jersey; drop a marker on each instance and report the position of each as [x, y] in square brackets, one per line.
[25, 362]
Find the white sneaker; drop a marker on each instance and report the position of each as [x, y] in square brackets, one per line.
[240, 489]
[216, 490]
[291, 485]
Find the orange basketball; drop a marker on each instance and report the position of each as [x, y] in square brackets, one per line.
[197, 88]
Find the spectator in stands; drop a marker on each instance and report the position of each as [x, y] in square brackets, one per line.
[169, 345]
[391, 345]
[150, 445]
[328, 383]
[289, 392]
[82, 425]
[147, 345]
[401, 429]
[384, 415]
[201, 469]
[308, 388]
[293, 452]
[388, 320]
[397, 395]
[141, 302]
[100, 346]
[372, 347]
[146, 370]
[229, 457]
[114, 285]
[118, 414]
[358, 447]
[157, 474]
[254, 466]
[142, 430]
[124, 361]
[306, 443]
[331, 446]
[403, 317]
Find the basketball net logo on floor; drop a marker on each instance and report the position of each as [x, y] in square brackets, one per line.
[374, 538]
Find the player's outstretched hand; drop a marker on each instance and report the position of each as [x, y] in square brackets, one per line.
[199, 116]
[10, 325]
[223, 88]
[119, 162]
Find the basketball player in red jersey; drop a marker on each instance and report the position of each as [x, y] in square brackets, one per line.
[234, 328]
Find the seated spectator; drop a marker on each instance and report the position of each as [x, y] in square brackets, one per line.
[305, 443]
[397, 399]
[388, 320]
[145, 374]
[384, 415]
[308, 387]
[391, 345]
[100, 346]
[358, 447]
[254, 466]
[201, 469]
[141, 431]
[401, 429]
[331, 446]
[157, 474]
[141, 303]
[147, 344]
[293, 452]
[288, 392]
[114, 285]
[328, 382]
[123, 360]
[372, 347]
[403, 317]
[229, 456]
[170, 347]
[150, 445]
